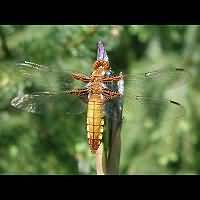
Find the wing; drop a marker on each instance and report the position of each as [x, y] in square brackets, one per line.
[162, 78]
[139, 108]
[145, 93]
[40, 102]
[50, 78]
[149, 100]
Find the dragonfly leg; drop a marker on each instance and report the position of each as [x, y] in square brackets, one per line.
[110, 94]
[113, 78]
[81, 77]
[78, 92]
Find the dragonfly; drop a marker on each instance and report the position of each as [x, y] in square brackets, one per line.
[94, 95]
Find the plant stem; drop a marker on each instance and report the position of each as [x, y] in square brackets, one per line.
[113, 161]
[100, 161]
[108, 154]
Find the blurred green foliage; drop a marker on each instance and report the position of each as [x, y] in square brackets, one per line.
[54, 143]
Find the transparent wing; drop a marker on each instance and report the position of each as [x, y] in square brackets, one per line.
[146, 94]
[44, 75]
[139, 108]
[163, 78]
[40, 102]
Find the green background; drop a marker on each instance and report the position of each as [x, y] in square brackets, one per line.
[53, 143]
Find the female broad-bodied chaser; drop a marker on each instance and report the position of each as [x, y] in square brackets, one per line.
[96, 91]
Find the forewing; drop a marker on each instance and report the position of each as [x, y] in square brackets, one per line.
[49, 77]
[163, 77]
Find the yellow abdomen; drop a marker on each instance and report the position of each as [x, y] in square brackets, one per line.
[95, 122]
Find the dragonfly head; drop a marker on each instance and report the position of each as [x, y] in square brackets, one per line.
[101, 63]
